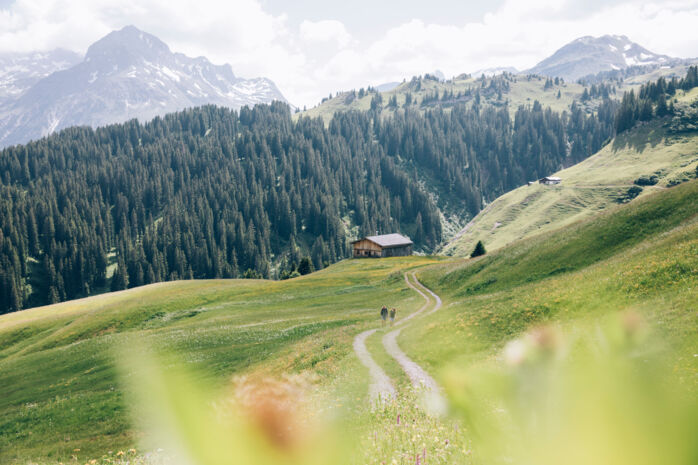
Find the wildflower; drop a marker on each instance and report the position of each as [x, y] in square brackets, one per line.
[120, 453]
[132, 451]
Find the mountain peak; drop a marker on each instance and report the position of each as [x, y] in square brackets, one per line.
[126, 45]
[590, 55]
[126, 74]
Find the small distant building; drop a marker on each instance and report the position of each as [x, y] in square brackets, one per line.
[550, 180]
[386, 245]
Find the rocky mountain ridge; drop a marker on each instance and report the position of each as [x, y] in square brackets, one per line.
[127, 74]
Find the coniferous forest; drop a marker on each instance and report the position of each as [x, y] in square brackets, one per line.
[214, 193]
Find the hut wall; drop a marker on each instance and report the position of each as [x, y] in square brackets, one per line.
[402, 251]
[366, 248]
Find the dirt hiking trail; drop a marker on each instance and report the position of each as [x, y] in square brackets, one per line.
[381, 387]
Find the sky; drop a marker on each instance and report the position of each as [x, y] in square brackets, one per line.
[311, 48]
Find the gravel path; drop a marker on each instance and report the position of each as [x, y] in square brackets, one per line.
[415, 373]
[381, 388]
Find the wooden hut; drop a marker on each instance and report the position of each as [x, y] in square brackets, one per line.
[550, 180]
[386, 245]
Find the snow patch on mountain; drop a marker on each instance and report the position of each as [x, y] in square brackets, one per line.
[127, 74]
[590, 55]
[489, 72]
[20, 71]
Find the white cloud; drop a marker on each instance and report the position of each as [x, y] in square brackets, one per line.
[319, 57]
[520, 34]
[325, 31]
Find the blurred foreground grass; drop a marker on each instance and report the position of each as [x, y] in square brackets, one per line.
[603, 394]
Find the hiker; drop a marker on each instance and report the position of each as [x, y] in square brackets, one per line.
[393, 311]
[384, 314]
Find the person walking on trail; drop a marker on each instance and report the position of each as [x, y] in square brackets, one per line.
[384, 314]
[393, 311]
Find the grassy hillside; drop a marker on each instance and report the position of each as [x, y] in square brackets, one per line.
[642, 257]
[587, 188]
[523, 90]
[624, 282]
[59, 390]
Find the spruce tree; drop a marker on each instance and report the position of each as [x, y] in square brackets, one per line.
[478, 250]
[305, 266]
[119, 280]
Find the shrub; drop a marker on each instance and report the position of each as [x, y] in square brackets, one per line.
[631, 194]
[647, 180]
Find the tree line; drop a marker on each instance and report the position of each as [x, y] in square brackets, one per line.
[475, 153]
[651, 100]
[204, 193]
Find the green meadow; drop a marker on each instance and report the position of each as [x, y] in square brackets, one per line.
[523, 91]
[59, 390]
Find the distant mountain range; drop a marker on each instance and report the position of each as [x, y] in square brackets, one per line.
[131, 74]
[19, 72]
[127, 74]
[590, 55]
[487, 72]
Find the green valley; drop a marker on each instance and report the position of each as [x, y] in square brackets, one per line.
[640, 257]
[180, 290]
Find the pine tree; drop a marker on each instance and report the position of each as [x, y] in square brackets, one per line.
[645, 110]
[305, 266]
[119, 280]
[662, 109]
[478, 250]
[53, 296]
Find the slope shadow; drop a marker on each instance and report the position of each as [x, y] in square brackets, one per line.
[639, 138]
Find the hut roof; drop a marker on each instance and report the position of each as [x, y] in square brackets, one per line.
[388, 240]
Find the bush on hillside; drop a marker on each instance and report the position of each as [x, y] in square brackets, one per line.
[252, 274]
[647, 180]
[631, 194]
